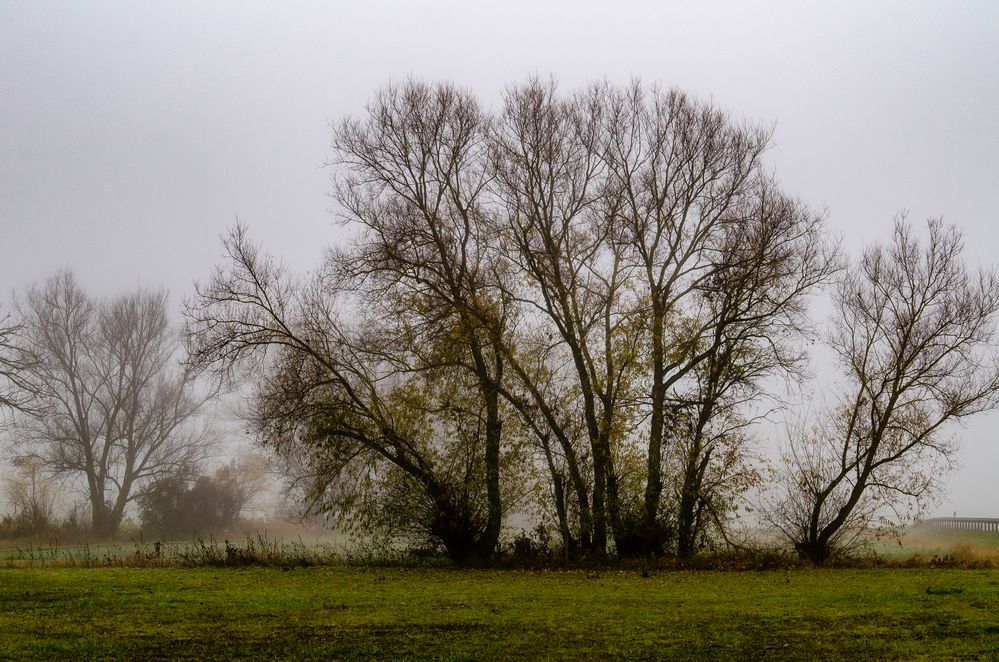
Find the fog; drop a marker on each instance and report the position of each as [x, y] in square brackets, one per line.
[132, 136]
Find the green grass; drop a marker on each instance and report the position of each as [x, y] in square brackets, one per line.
[378, 613]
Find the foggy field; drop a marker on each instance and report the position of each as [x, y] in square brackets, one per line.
[233, 549]
[340, 612]
[922, 543]
[918, 546]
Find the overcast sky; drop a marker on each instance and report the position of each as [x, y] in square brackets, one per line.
[133, 134]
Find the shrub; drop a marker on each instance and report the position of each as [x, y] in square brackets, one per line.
[179, 506]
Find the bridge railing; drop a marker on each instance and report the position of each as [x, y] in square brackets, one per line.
[963, 523]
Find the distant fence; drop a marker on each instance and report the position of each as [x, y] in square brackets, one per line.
[964, 523]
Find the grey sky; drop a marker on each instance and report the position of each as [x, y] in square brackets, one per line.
[133, 134]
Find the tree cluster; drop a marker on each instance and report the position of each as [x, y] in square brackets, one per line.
[572, 311]
[574, 298]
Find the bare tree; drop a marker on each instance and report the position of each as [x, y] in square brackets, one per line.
[560, 233]
[914, 332]
[683, 170]
[110, 408]
[383, 439]
[14, 392]
[651, 243]
[410, 180]
[756, 299]
[32, 492]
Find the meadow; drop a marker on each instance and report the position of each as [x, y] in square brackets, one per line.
[117, 602]
[343, 612]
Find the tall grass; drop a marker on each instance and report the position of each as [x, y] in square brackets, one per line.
[925, 546]
[256, 550]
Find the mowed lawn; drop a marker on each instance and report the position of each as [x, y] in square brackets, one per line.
[378, 613]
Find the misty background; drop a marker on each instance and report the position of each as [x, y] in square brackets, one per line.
[132, 136]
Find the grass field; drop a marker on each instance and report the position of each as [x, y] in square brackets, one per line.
[377, 613]
[924, 543]
[77, 601]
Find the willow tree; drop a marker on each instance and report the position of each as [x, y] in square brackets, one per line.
[388, 430]
[914, 332]
[650, 241]
[560, 235]
[584, 269]
[410, 179]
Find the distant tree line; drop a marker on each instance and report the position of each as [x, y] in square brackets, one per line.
[574, 310]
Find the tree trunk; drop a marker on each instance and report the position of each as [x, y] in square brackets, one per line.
[495, 510]
[104, 525]
[652, 536]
